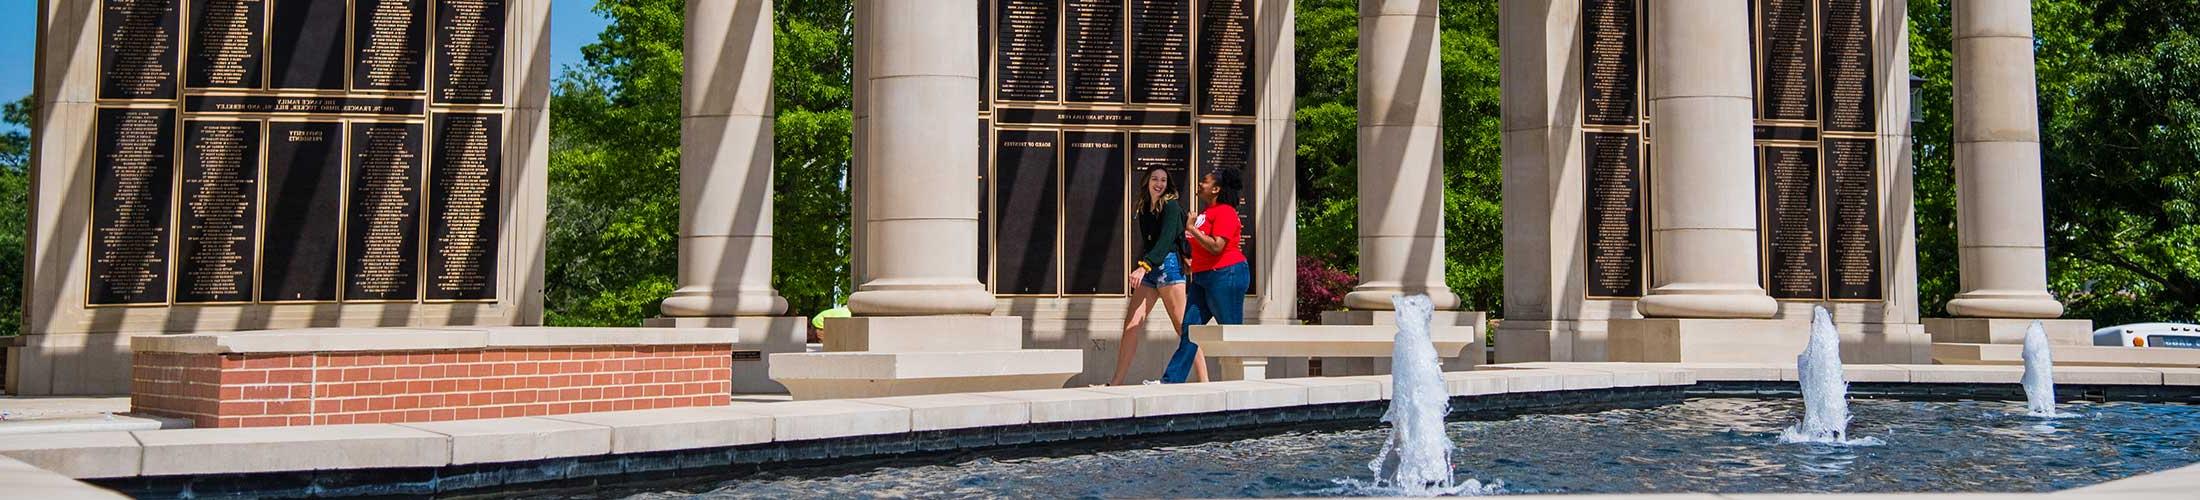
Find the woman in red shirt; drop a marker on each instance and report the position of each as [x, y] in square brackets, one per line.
[1219, 273]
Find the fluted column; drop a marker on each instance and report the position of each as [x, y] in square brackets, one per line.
[920, 208]
[2000, 229]
[1401, 155]
[1703, 186]
[726, 163]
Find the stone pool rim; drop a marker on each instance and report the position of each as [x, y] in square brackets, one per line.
[531, 452]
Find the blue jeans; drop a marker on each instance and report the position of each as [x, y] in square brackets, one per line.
[1217, 294]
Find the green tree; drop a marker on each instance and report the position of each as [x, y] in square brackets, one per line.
[615, 162]
[15, 184]
[1328, 136]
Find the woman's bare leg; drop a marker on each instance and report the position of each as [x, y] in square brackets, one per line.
[1134, 328]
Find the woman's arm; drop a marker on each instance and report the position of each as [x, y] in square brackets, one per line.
[1172, 222]
[1211, 243]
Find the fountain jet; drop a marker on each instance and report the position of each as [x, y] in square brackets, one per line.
[1416, 460]
[2039, 373]
[1825, 386]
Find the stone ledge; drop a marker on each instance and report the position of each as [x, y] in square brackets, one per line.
[22, 480]
[1372, 341]
[2065, 355]
[674, 429]
[78, 454]
[958, 411]
[422, 339]
[519, 439]
[837, 375]
[1172, 399]
[230, 451]
[806, 420]
[1071, 405]
[535, 336]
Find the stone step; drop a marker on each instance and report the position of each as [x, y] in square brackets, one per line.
[835, 375]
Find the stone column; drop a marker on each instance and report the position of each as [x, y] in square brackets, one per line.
[1401, 155]
[1703, 187]
[726, 163]
[2000, 228]
[920, 209]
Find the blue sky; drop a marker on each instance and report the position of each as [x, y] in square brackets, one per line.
[571, 26]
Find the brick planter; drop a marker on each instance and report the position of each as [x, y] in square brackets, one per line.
[336, 382]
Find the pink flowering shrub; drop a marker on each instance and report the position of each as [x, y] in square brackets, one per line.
[1321, 288]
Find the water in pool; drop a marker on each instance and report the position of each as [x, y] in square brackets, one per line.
[1701, 445]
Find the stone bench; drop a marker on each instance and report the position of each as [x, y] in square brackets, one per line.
[276, 378]
[1243, 350]
[907, 356]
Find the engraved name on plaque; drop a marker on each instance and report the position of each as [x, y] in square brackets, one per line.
[1230, 145]
[1161, 52]
[134, 165]
[1816, 133]
[1024, 50]
[1611, 74]
[1847, 45]
[1614, 211]
[1226, 58]
[226, 41]
[220, 202]
[1093, 50]
[1615, 247]
[1787, 77]
[1852, 219]
[469, 57]
[1791, 232]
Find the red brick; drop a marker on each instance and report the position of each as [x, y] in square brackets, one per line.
[384, 373]
[467, 385]
[239, 408]
[263, 392]
[300, 407]
[231, 377]
[466, 413]
[368, 418]
[445, 386]
[419, 416]
[600, 406]
[432, 371]
[382, 403]
[393, 388]
[290, 376]
[444, 415]
[406, 402]
[505, 369]
[419, 387]
[341, 419]
[408, 372]
[446, 357]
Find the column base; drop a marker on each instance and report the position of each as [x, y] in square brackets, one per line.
[760, 337]
[1991, 304]
[1759, 341]
[2007, 331]
[922, 301]
[1378, 298]
[1735, 305]
[713, 303]
[923, 334]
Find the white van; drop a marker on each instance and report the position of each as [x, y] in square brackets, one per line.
[2172, 335]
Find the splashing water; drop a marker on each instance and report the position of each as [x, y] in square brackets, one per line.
[2039, 374]
[1825, 388]
[1416, 460]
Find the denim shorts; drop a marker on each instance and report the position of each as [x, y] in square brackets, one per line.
[1170, 272]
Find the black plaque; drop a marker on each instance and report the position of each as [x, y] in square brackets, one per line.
[1025, 191]
[1025, 49]
[319, 105]
[462, 206]
[306, 45]
[389, 43]
[1094, 194]
[221, 175]
[382, 229]
[1611, 73]
[1849, 99]
[1613, 207]
[1093, 50]
[133, 174]
[1232, 146]
[1852, 213]
[1119, 117]
[1171, 152]
[226, 37]
[305, 206]
[137, 48]
[1787, 60]
[1794, 259]
[1161, 51]
[1226, 58]
[469, 56]
[1799, 133]
[985, 97]
[985, 196]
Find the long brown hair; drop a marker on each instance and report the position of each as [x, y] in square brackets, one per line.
[1168, 194]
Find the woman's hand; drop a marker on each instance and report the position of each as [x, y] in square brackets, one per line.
[1137, 277]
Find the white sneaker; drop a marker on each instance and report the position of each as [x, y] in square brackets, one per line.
[1151, 382]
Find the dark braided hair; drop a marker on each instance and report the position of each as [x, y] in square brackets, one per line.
[1232, 183]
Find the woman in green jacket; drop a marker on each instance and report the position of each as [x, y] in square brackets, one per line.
[1160, 270]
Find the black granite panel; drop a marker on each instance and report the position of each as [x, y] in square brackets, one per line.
[133, 172]
[985, 198]
[1117, 117]
[1025, 191]
[382, 224]
[324, 105]
[1161, 51]
[219, 213]
[1850, 99]
[1170, 151]
[1787, 86]
[1613, 207]
[1794, 258]
[1025, 52]
[1787, 133]
[1852, 219]
[1093, 229]
[306, 45]
[1226, 37]
[469, 51]
[305, 203]
[1092, 56]
[1611, 69]
[137, 48]
[462, 206]
[1232, 146]
[226, 41]
[389, 43]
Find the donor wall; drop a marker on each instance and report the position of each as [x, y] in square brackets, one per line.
[217, 165]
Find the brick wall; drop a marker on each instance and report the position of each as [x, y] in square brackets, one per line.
[273, 390]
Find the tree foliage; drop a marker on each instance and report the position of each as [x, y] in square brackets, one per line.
[15, 183]
[615, 162]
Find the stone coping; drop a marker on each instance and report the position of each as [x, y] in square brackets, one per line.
[1322, 340]
[423, 339]
[159, 453]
